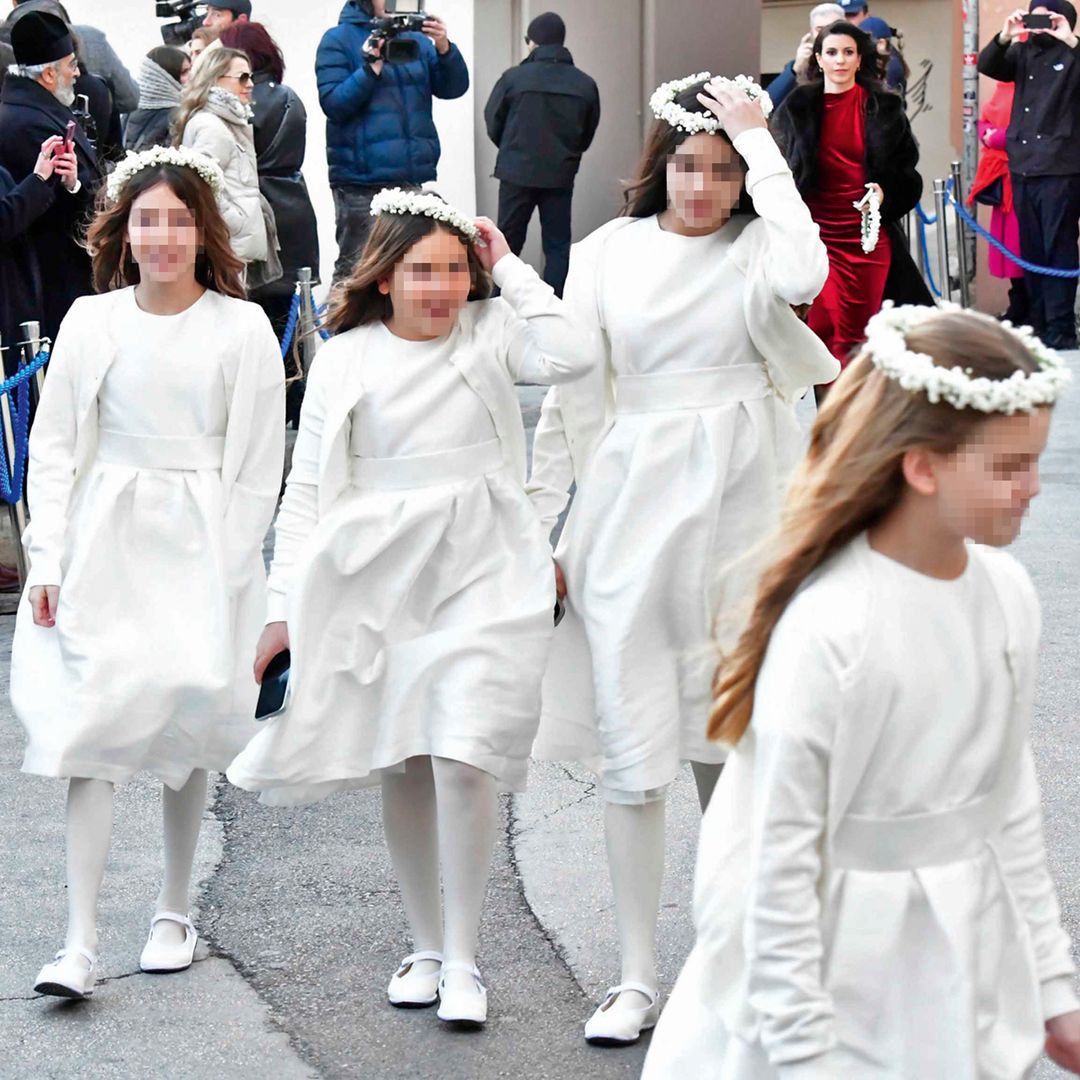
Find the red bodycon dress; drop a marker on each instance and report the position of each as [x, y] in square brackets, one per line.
[856, 281]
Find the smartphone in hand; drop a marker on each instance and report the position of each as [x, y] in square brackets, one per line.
[1037, 22]
[69, 137]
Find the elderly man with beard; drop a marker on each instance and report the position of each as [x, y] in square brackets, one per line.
[35, 102]
[1044, 155]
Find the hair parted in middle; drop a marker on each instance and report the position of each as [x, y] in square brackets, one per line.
[852, 476]
[210, 66]
[357, 300]
[646, 193]
[217, 267]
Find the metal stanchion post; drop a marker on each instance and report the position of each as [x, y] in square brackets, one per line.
[305, 327]
[942, 240]
[961, 239]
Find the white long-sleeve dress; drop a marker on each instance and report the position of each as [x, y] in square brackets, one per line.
[409, 563]
[872, 897]
[681, 461]
[155, 463]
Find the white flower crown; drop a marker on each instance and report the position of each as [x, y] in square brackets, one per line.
[664, 107]
[886, 343]
[398, 201]
[134, 164]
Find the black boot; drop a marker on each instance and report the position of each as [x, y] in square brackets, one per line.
[1017, 312]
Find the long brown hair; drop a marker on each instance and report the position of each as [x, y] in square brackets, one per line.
[216, 267]
[646, 193]
[852, 476]
[357, 299]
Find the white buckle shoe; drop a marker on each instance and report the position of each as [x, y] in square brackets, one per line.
[412, 989]
[160, 958]
[66, 977]
[464, 1008]
[610, 1026]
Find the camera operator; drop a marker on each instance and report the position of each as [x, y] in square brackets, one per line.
[1044, 154]
[379, 128]
[35, 103]
[795, 71]
[224, 13]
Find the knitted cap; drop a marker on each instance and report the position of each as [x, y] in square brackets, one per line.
[547, 29]
[1059, 7]
[40, 38]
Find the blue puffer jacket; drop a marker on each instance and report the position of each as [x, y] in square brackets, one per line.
[379, 127]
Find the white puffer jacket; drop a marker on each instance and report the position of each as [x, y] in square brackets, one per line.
[221, 130]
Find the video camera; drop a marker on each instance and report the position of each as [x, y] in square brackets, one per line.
[402, 16]
[189, 17]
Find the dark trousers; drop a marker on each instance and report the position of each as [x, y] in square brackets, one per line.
[353, 221]
[516, 206]
[1048, 209]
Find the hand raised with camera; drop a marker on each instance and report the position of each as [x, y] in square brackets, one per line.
[52, 160]
[1060, 29]
[735, 111]
[372, 50]
[803, 54]
[1013, 28]
[435, 29]
[493, 245]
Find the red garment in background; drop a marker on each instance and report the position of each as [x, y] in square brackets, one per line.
[856, 282]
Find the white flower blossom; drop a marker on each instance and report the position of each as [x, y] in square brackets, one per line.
[870, 205]
[664, 107]
[886, 344]
[183, 156]
[398, 201]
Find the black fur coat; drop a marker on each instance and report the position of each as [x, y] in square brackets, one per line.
[892, 155]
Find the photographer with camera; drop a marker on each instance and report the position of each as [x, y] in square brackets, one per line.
[378, 71]
[1037, 51]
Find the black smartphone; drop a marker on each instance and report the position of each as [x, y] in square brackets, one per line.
[274, 684]
[1037, 22]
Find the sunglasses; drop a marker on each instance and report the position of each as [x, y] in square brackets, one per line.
[244, 78]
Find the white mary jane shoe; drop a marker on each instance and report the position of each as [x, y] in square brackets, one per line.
[67, 976]
[158, 958]
[462, 1008]
[412, 989]
[621, 1027]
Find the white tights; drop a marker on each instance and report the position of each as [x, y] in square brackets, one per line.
[441, 811]
[89, 831]
[635, 851]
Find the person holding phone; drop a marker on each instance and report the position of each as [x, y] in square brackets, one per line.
[1037, 51]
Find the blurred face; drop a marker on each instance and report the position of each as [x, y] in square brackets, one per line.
[984, 487]
[238, 79]
[218, 17]
[704, 180]
[839, 60]
[162, 236]
[185, 72]
[430, 285]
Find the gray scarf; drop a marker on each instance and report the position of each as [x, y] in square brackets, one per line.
[228, 106]
[157, 88]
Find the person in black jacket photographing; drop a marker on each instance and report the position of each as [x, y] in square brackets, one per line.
[1043, 147]
[542, 115]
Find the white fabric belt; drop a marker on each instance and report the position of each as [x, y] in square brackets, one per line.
[696, 389]
[428, 470]
[188, 453]
[918, 840]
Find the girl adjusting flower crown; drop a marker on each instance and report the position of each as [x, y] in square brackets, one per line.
[872, 894]
[411, 579]
[155, 463]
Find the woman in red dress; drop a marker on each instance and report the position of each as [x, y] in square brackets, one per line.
[843, 133]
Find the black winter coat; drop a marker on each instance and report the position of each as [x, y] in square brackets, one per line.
[20, 276]
[148, 127]
[892, 156]
[280, 138]
[29, 114]
[542, 115]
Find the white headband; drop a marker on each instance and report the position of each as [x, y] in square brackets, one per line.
[664, 107]
[182, 156]
[424, 204]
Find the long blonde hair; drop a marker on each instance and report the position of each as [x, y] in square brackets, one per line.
[852, 476]
[210, 66]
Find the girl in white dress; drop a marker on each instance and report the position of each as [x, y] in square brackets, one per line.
[681, 443]
[155, 464]
[411, 580]
[872, 895]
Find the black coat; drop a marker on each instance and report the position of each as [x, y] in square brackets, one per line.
[1043, 138]
[280, 138]
[542, 115]
[892, 157]
[148, 127]
[20, 276]
[29, 114]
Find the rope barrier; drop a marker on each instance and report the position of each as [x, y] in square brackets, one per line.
[290, 324]
[925, 252]
[13, 473]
